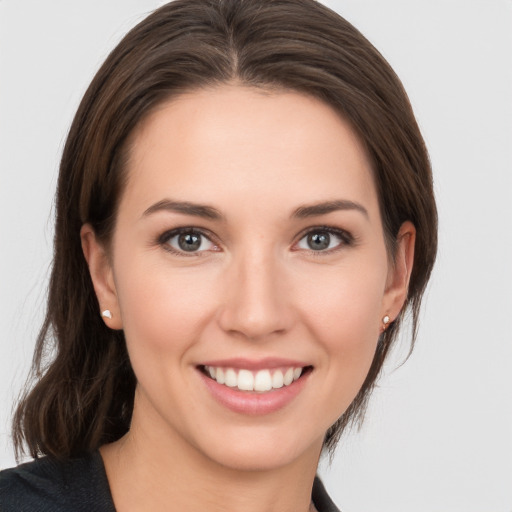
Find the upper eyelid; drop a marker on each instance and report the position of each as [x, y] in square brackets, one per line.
[170, 233]
[343, 233]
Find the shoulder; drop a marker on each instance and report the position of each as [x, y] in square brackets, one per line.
[321, 499]
[47, 484]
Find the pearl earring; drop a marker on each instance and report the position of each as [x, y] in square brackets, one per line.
[106, 313]
[385, 321]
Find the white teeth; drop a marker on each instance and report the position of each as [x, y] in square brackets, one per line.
[245, 380]
[288, 377]
[277, 379]
[219, 376]
[231, 378]
[261, 381]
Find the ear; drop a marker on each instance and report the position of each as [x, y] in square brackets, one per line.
[102, 276]
[399, 273]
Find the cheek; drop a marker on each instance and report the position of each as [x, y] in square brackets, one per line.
[342, 313]
[343, 320]
[162, 311]
[347, 304]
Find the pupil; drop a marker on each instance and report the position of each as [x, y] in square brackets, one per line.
[189, 242]
[319, 241]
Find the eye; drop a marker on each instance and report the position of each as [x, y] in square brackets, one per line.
[323, 239]
[187, 241]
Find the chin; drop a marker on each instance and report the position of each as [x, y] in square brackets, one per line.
[262, 451]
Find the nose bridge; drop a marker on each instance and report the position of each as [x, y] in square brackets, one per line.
[256, 303]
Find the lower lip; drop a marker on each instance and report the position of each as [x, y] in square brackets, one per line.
[254, 403]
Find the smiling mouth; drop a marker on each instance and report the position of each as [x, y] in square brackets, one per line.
[259, 381]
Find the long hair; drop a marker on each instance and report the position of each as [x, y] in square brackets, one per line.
[83, 390]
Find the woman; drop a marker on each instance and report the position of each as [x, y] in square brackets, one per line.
[244, 214]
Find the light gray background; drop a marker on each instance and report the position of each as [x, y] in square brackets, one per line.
[438, 436]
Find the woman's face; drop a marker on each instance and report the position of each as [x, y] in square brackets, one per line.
[248, 253]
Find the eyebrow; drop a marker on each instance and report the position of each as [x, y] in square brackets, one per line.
[197, 210]
[324, 208]
[208, 212]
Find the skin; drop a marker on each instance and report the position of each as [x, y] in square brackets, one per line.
[255, 289]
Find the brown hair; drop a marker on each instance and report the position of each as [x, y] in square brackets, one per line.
[83, 396]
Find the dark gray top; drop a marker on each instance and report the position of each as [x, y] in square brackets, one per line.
[78, 485]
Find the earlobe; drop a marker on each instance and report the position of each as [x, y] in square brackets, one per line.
[102, 277]
[400, 272]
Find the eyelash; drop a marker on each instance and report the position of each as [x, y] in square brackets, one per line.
[346, 239]
[165, 238]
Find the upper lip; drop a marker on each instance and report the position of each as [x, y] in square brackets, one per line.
[266, 363]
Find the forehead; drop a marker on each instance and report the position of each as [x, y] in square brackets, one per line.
[233, 141]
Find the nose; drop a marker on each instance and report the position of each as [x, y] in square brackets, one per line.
[257, 302]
